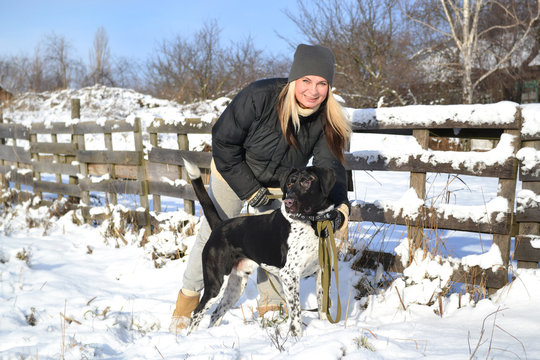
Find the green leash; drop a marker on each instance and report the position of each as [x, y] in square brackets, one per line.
[327, 250]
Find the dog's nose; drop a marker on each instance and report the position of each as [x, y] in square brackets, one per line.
[288, 202]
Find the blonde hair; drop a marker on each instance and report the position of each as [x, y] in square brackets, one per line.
[337, 133]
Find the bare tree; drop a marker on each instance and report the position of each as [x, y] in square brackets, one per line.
[126, 74]
[20, 73]
[167, 72]
[62, 66]
[507, 81]
[8, 74]
[44, 70]
[182, 69]
[372, 46]
[207, 62]
[36, 72]
[99, 60]
[245, 64]
[469, 24]
[201, 68]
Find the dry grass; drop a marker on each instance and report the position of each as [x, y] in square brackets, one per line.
[24, 255]
[484, 339]
[422, 233]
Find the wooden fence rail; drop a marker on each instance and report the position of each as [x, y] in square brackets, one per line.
[150, 171]
[500, 225]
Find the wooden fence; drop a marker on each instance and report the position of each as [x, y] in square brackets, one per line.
[152, 171]
[501, 225]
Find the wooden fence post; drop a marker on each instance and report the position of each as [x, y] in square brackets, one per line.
[507, 189]
[111, 168]
[183, 144]
[141, 175]
[57, 159]
[2, 140]
[156, 199]
[529, 227]
[415, 232]
[75, 114]
[79, 139]
[35, 157]
[3, 181]
[15, 172]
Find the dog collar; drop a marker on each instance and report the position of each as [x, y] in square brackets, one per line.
[318, 217]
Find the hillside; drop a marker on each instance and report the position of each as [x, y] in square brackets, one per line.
[105, 103]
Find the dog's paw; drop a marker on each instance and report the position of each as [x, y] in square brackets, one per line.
[295, 329]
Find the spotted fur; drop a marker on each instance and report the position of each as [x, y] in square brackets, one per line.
[302, 261]
[278, 242]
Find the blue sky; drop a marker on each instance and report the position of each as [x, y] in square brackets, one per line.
[135, 27]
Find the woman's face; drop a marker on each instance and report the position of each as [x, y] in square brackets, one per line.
[310, 91]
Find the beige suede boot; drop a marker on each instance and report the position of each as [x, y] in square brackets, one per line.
[263, 309]
[185, 304]
[265, 306]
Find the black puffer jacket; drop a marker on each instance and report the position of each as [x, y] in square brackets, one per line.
[250, 150]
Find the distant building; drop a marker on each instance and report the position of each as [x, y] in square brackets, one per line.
[4, 95]
[529, 92]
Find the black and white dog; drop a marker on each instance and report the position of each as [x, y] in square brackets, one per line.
[278, 242]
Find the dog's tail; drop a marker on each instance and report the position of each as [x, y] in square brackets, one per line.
[208, 206]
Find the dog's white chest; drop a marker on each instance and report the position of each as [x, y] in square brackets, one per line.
[303, 248]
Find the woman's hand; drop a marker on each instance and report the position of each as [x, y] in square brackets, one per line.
[259, 198]
[338, 218]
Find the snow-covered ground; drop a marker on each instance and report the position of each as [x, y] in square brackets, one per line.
[76, 292]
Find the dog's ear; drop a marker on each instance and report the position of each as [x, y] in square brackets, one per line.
[327, 178]
[283, 180]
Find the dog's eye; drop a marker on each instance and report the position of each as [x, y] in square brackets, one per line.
[305, 183]
[292, 180]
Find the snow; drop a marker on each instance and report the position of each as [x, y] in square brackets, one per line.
[407, 205]
[477, 213]
[531, 119]
[101, 103]
[528, 157]
[526, 199]
[491, 259]
[500, 113]
[458, 160]
[118, 306]
[77, 291]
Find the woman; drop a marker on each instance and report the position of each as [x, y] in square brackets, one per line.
[271, 126]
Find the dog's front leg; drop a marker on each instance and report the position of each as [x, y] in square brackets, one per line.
[318, 284]
[197, 316]
[291, 289]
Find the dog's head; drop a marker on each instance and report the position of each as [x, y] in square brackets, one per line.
[305, 192]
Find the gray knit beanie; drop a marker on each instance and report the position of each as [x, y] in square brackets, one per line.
[313, 60]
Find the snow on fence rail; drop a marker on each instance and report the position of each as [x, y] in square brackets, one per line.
[504, 122]
[150, 171]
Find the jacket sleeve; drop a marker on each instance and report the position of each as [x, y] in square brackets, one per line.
[322, 156]
[228, 136]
